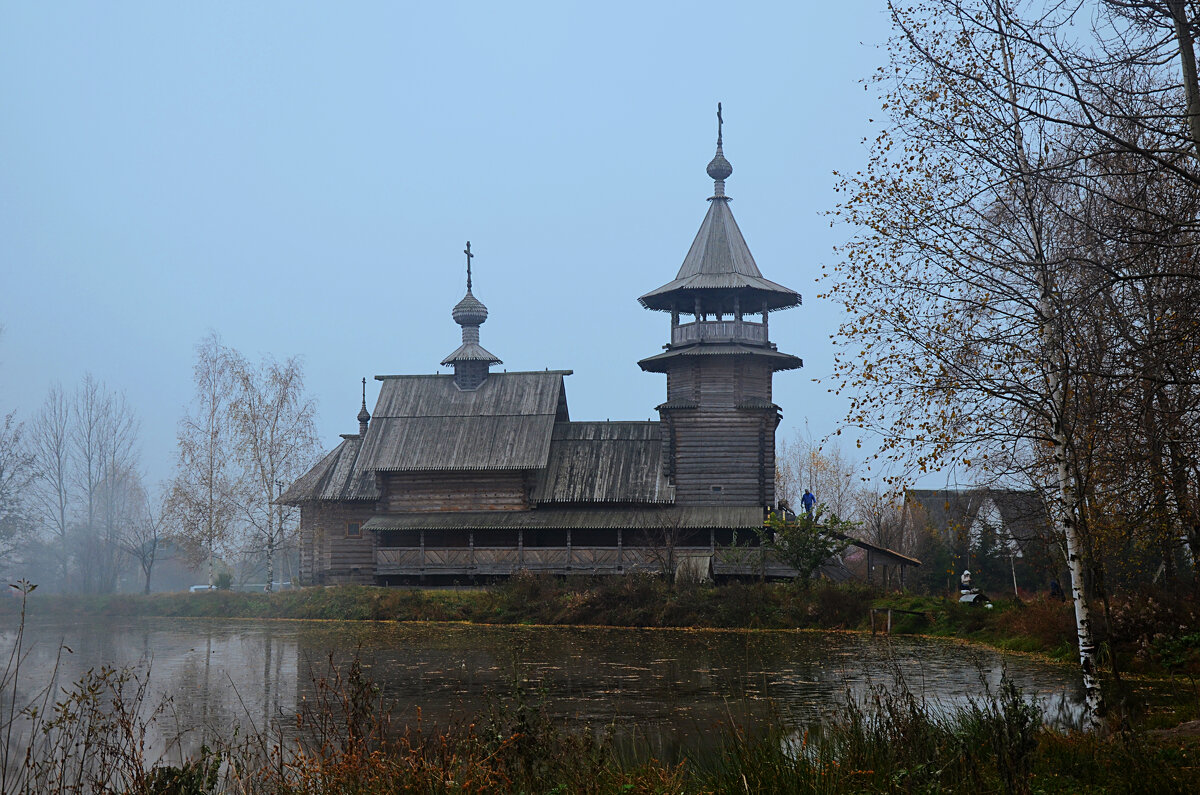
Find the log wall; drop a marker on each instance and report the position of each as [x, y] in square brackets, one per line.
[453, 491]
[719, 381]
[327, 555]
[720, 453]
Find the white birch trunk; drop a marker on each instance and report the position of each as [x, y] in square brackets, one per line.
[1065, 504]
[1049, 321]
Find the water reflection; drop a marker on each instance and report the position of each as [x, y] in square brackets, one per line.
[659, 691]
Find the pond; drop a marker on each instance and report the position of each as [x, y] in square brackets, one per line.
[660, 692]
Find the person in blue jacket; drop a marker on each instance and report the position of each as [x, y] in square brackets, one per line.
[808, 501]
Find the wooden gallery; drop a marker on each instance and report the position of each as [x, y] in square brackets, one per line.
[478, 474]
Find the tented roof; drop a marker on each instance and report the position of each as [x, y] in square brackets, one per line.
[720, 261]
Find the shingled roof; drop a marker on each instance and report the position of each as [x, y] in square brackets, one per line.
[607, 518]
[610, 462]
[777, 360]
[719, 259]
[426, 422]
[947, 509]
[335, 477]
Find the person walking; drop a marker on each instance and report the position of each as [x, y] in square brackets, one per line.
[808, 501]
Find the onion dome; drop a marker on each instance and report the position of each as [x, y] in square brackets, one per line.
[470, 311]
[364, 416]
[719, 168]
[470, 360]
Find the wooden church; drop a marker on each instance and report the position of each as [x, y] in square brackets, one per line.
[480, 474]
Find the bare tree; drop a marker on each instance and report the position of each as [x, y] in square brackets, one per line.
[104, 442]
[50, 444]
[143, 533]
[275, 443]
[201, 504]
[879, 518]
[819, 466]
[16, 472]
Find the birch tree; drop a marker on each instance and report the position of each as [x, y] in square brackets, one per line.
[961, 280]
[202, 506]
[819, 466]
[276, 442]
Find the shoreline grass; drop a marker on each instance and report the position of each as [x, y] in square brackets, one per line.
[1039, 626]
[91, 737]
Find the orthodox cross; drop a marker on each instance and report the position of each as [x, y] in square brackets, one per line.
[467, 251]
[364, 392]
[720, 121]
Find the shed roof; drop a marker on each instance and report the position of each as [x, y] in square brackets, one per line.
[611, 462]
[560, 518]
[425, 422]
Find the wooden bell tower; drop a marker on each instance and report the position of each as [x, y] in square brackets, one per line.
[719, 420]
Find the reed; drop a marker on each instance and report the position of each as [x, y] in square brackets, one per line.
[92, 735]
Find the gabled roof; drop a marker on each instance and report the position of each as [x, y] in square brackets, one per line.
[609, 462]
[334, 477]
[719, 259]
[947, 509]
[1023, 513]
[425, 422]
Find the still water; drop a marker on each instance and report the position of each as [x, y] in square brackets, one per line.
[660, 691]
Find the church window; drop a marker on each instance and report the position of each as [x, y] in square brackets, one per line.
[353, 530]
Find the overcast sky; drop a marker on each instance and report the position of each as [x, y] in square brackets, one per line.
[301, 178]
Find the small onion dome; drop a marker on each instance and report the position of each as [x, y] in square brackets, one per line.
[363, 414]
[719, 167]
[470, 311]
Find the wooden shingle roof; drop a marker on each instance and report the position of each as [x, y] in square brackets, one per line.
[335, 477]
[608, 462]
[426, 422]
[719, 259]
[607, 518]
[778, 361]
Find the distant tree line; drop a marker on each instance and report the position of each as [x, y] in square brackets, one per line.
[77, 514]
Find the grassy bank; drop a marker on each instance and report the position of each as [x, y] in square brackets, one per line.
[1149, 635]
[92, 736]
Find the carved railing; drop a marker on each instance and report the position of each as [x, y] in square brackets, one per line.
[505, 560]
[719, 331]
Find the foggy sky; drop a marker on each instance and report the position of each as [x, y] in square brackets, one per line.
[301, 178]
